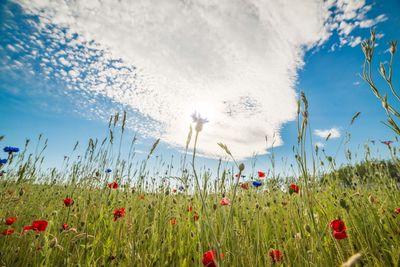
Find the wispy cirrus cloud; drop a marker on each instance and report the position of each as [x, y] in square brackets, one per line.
[235, 62]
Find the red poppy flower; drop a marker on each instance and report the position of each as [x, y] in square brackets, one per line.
[397, 210]
[261, 174]
[173, 190]
[172, 221]
[337, 225]
[244, 186]
[65, 226]
[225, 201]
[196, 216]
[338, 229]
[293, 188]
[189, 209]
[38, 226]
[209, 258]
[118, 213]
[141, 196]
[11, 220]
[276, 255]
[9, 231]
[340, 235]
[113, 185]
[68, 201]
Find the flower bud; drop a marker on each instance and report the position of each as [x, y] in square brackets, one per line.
[241, 167]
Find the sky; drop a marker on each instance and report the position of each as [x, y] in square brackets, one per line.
[66, 66]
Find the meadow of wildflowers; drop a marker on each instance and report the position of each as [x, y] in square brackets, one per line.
[100, 209]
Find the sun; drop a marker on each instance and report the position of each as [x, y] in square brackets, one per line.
[206, 110]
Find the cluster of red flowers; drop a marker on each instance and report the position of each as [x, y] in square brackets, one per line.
[225, 201]
[38, 226]
[118, 213]
[293, 188]
[113, 185]
[261, 174]
[276, 255]
[338, 229]
[68, 201]
[9, 221]
[209, 258]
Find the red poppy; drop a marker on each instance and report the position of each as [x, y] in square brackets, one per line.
[337, 225]
[173, 190]
[244, 186]
[65, 226]
[397, 210]
[261, 174]
[196, 216]
[118, 213]
[293, 188]
[11, 220]
[172, 221]
[340, 235]
[38, 226]
[338, 229]
[276, 255]
[189, 209]
[209, 258]
[68, 201]
[9, 231]
[113, 185]
[141, 196]
[225, 201]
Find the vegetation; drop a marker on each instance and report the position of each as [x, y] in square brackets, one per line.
[103, 209]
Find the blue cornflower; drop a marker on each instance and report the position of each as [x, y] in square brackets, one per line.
[256, 183]
[3, 161]
[181, 188]
[108, 170]
[10, 149]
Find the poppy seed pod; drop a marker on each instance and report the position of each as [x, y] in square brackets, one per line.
[241, 167]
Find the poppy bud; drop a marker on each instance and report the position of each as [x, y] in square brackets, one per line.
[241, 167]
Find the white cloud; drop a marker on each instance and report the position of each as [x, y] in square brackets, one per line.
[348, 15]
[355, 41]
[235, 62]
[372, 22]
[333, 132]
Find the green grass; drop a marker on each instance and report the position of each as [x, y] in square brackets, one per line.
[144, 237]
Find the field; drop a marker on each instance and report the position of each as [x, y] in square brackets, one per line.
[87, 214]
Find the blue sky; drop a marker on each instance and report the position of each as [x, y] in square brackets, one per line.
[64, 72]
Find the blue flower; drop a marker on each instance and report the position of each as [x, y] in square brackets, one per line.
[256, 183]
[10, 149]
[181, 188]
[3, 161]
[108, 170]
